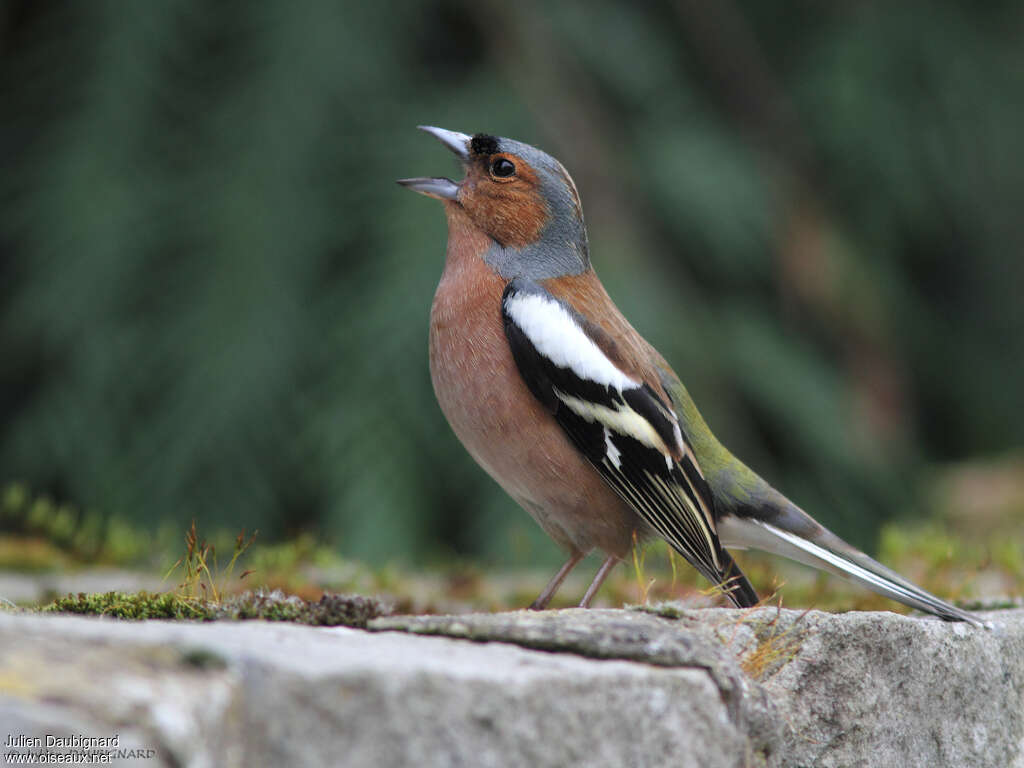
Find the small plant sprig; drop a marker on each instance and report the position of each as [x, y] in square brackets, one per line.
[643, 584]
[200, 581]
[672, 563]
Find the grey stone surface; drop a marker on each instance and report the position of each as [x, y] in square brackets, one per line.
[871, 689]
[616, 688]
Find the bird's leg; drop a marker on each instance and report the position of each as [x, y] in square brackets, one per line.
[549, 591]
[602, 574]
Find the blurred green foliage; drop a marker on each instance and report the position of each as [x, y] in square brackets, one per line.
[213, 298]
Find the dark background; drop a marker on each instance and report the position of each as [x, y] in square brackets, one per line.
[214, 299]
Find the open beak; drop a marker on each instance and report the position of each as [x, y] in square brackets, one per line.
[439, 187]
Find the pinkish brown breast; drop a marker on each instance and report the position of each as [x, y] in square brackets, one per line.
[495, 416]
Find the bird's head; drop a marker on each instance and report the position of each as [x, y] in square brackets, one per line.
[520, 197]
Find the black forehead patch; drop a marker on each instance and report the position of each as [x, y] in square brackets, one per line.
[482, 144]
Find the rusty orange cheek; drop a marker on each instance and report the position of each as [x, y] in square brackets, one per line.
[512, 215]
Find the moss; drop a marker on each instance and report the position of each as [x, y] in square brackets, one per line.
[666, 610]
[329, 610]
[131, 605]
[777, 643]
[776, 647]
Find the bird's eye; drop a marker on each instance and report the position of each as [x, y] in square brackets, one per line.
[502, 168]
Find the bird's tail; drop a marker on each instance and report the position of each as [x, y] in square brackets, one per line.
[790, 532]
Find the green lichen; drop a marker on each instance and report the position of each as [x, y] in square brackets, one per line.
[204, 659]
[330, 610]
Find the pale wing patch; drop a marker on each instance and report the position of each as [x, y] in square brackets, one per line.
[621, 419]
[559, 338]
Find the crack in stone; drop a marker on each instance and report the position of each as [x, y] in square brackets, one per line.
[631, 636]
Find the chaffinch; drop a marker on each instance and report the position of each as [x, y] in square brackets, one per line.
[572, 412]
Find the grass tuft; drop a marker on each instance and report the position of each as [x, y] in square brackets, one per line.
[639, 558]
[202, 595]
[201, 576]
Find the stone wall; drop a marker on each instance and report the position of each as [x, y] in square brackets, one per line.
[598, 688]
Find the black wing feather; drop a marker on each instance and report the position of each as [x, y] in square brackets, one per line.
[668, 493]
